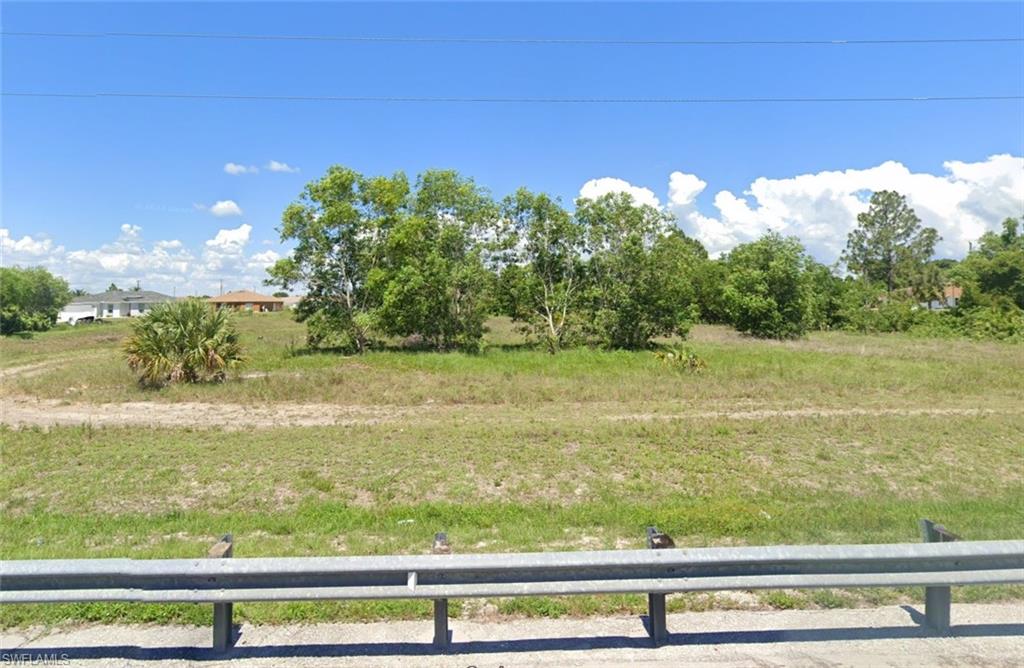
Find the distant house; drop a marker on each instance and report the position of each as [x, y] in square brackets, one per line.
[110, 304]
[951, 295]
[247, 300]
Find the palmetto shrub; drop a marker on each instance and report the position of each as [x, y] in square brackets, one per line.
[183, 342]
[681, 358]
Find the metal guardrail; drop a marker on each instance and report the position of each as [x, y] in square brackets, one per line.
[223, 580]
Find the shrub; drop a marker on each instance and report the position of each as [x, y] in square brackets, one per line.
[30, 299]
[681, 358]
[1002, 322]
[184, 341]
[765, 293]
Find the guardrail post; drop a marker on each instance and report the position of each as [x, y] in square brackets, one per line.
[441, 546]
[937, 600]
[656, 540]
[223, 623]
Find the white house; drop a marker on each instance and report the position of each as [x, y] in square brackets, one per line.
[951, 295]
[110, 304]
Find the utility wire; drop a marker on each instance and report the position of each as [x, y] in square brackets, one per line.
[511, 100]
[520, 40]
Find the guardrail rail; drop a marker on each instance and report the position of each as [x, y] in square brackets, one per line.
[222, 580]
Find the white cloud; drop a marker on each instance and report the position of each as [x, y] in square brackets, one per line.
[821, 208]
[266, 258]
[236, 169]
[225, 207]
[25, 247]
[595, 188]
[167, 265]
[684, 188]
[130, 233]
[231, 240]
[275, 166]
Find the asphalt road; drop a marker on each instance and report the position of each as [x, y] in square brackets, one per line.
[983, 635]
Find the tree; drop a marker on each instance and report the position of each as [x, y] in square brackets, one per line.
[766, 293]
[30, 299]
[633, 294]
[889, 244]
[826, 296]
[183, 341]
[280, 293]
[338, 223]
[995, 268]
[380, 257]
[542, 280]
[112, 287]
[432, 282]
[78, 292]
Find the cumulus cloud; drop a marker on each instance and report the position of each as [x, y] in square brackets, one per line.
[266, 258]
[25, 247]
[275, 166]
[166, 265]
[236, 169]
[821, 208]
[231, 240]
[598, 187]
[225, 207]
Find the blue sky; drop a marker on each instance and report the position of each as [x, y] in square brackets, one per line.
[91, 185]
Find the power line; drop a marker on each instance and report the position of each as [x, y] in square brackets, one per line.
[521, 40]
[512, 100]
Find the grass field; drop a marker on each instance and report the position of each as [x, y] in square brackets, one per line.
[835, 438]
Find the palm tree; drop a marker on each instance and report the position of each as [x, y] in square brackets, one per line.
[183, 341]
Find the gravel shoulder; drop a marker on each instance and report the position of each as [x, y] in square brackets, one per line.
[982, 635]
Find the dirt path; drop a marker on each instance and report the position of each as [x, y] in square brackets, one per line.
[26, 370]
[807, 412]
[28, 412]
[982, 635]
[24, 411]
[36, 368]
[19, 411]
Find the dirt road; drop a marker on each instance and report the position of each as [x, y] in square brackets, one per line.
[21, 411]
[983, 635]
[17, 410]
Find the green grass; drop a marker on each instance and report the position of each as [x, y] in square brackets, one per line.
[513, 487]
[827, 369]
[514, 449]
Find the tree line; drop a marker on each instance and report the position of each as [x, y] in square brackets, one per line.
[430, 260]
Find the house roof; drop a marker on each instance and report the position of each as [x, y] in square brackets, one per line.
[244, 297]
[949, 290]
[116, 296]
[292, 300]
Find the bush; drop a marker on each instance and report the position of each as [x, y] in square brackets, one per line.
[892, 316]
[186, 341]
[30, 299]
[1002, 322]
[766, 294]
[681, 358]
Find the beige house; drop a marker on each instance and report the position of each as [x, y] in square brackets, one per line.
[247, 300]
